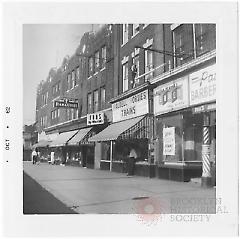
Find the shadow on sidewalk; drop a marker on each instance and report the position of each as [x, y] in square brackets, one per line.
[37, 200]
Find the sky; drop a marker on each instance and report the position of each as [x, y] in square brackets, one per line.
[44, 47]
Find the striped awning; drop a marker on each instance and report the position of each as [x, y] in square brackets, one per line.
[136, 128]
[80, 137]
[63, 138]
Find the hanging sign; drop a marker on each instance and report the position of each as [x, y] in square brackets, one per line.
[171, 96]
[96, 118]
[169, 141]
[66, 103]
[203, 85]
[131, 107]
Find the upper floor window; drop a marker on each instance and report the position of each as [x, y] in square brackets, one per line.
[56, 88]
[95, 100]
[205, 37]
[74, 82]
[125, 33]
[78, 73]
[69, 81]
[125, 76]
[135, 67]
[104, 56]
[183, 43]
[97, 61]
[44, 98]
[148, 59]
[103, 97]
[89, 102]
[135, 29]
[90, 66]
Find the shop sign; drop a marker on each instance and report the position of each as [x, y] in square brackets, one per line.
[203, 85]
[66, 103]
[169, 141]
[131, 107]
[171, 96]
[96, 118]
[204, 108]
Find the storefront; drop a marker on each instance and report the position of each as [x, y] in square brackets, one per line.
[181, 107]
[131, 129]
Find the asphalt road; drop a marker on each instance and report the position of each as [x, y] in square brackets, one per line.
[37, 200]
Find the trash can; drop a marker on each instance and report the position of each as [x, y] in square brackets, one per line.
[131, 162]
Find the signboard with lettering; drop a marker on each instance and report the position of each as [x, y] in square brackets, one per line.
[66, 103]
[203, 85]
[171, 96]
[204, 108]
[131, 107]
[95, 118]
[169, 141]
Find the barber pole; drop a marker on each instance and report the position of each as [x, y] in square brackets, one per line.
[206, 166]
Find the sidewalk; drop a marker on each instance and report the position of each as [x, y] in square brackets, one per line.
[98, 191]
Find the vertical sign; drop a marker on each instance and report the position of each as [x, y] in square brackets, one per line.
[169, 141]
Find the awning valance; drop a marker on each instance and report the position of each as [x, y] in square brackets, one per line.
[79, 137]
[62, 139]
[42, 144]
[138, 127]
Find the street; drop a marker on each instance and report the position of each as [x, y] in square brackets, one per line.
[97, 191]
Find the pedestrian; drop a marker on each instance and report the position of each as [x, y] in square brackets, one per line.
[38, 158]
[34, 156]
[52, 157]
[131, 160]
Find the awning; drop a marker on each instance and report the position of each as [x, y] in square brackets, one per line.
[138, 127]
[80, 136]
[42, 144]
[62, 139]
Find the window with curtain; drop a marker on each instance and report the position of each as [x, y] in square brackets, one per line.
[125, 76]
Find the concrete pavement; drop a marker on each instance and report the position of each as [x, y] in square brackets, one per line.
[97, 191]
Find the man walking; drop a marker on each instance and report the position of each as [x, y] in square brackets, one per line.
[131, 161]
[34, 156]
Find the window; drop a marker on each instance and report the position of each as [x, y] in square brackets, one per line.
[68, 81]
[135, 29]
[104, 56]
[125, 76]
[125, 33]
[97, 64]
[44, 98]
[135, 68]
[73, 79]
[102, 92]
[89, 103]
[90, 66]
[95, 101]
[56, 88]
[183, 43]
[148, 64]
[77, 74]
[205, 37]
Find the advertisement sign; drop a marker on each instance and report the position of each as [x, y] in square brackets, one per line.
[204, 108]
[169, 141]
[131, 107]
[96, 118]
[203, 85]
[66, 103]
[171, 96]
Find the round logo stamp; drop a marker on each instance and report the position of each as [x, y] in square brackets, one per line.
[149, 210]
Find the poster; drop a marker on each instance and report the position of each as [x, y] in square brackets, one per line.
[169, 141]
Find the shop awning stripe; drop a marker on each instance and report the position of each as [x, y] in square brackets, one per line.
[79, 137]
[63, 138]
[113, 131]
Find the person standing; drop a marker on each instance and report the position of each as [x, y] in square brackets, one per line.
[52, 157]
[131, 161]
[34, 156]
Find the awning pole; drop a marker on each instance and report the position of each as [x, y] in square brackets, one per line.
[111, 154]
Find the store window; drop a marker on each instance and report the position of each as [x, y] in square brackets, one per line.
[89, 103]
[125, 33]
[103, 97]
[104, 56]
[205, 37]
[95, 101]
[125, 76]
[183, 44]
